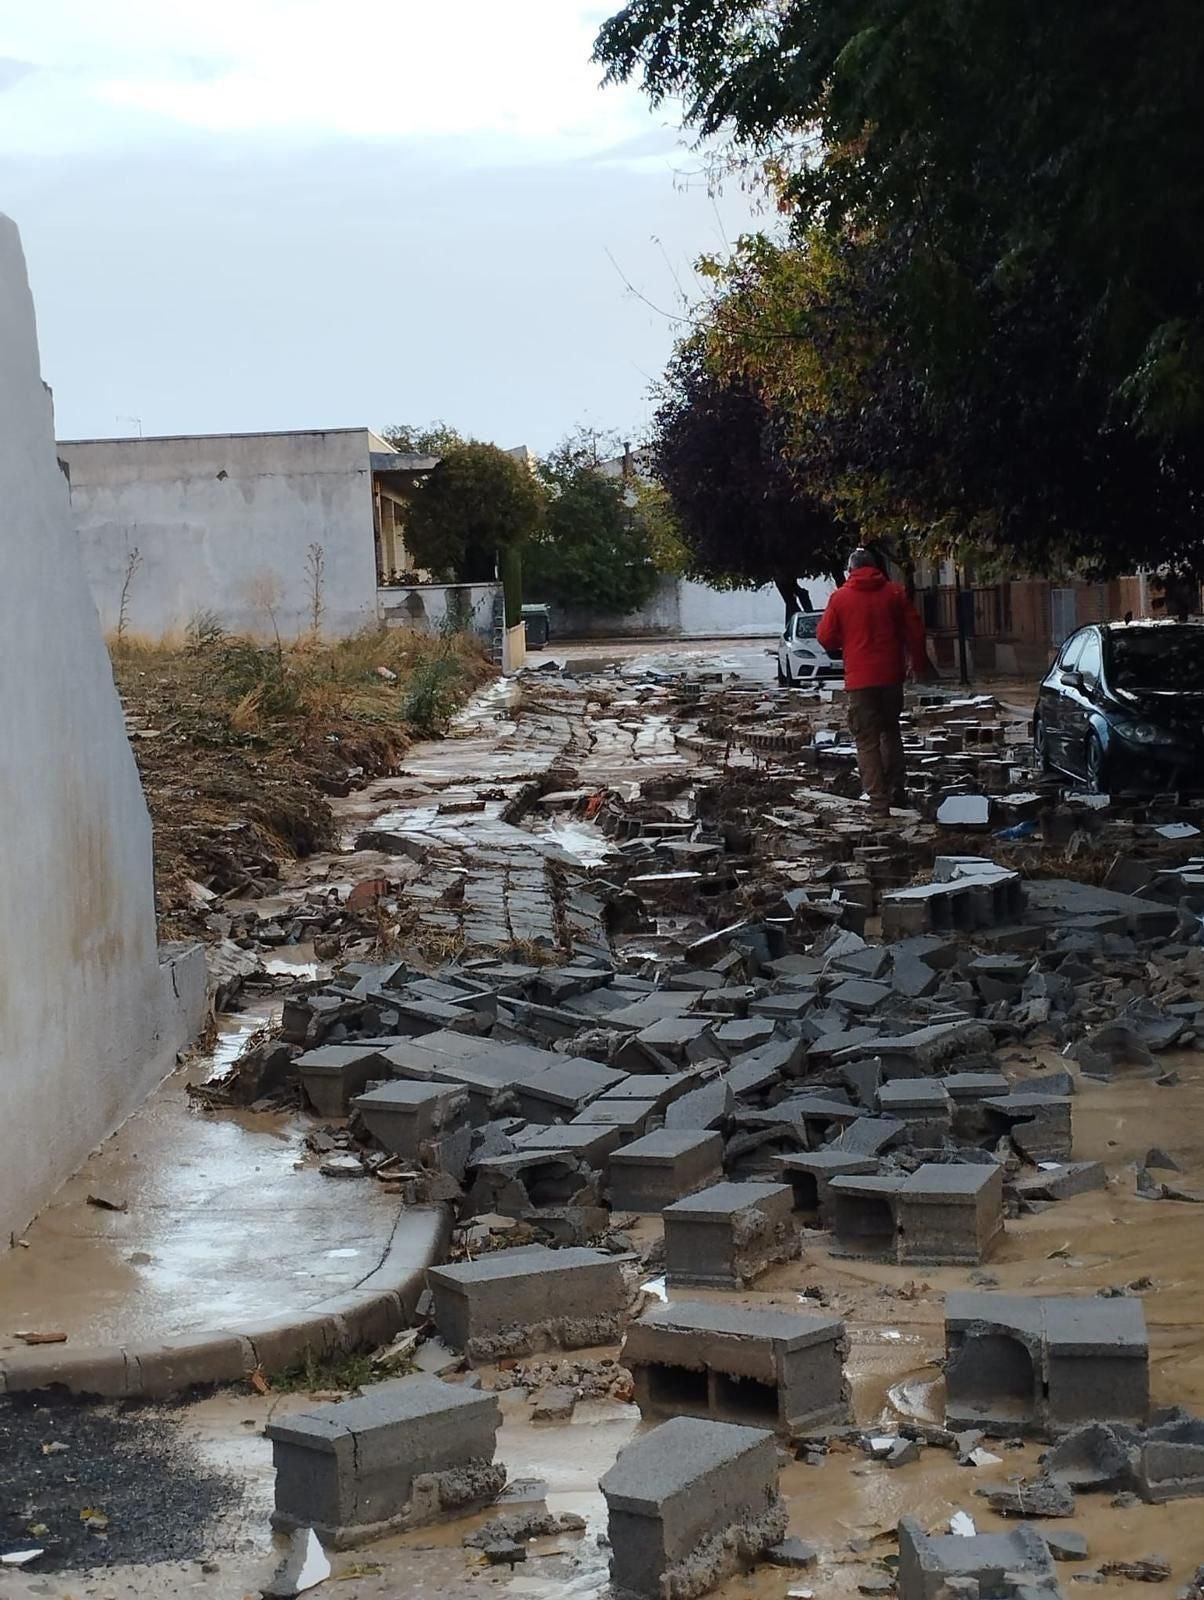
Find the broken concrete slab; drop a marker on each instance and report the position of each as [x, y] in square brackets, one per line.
[727, 1235]
[406, 1453]
[689, 1504]
[764, 1368]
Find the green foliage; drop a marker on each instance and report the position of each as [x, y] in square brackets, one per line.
[1010, 352]
[434, 691]
[477, 502]
[316, 1374]
[595, 549]
[436, 439]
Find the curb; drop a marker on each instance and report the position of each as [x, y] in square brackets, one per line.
[370, 1314]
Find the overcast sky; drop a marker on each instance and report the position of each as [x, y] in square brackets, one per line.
[244, 214]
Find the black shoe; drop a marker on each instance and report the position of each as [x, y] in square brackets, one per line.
[899, 799]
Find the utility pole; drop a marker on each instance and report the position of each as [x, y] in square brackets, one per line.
[960, 600]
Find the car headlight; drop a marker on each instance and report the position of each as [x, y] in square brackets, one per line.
[1143, 733]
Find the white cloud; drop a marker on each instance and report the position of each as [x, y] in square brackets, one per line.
[513, 75]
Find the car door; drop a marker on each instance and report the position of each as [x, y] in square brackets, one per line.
[1078, 702]
[1051, 707]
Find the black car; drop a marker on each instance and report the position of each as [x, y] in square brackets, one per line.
[1123, 707]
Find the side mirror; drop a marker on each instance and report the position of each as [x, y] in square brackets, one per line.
[1072, 680]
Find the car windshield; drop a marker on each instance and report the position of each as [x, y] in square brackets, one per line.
[806, 624]
[1169, 659]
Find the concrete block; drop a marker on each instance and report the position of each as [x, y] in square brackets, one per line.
[1002, 1566]
[725, 1236]
[744, 1034]
[689, 1504]
[562, 1087]
[869, 1136]
[949, 1214]
[405, 1115]
[922, 1103]
[405, 1453]
[809, 1171]
[708, 1106]
[630, 1119]
[859, 995]
[333, 1074]
[681, 1039]
[663, 1167]
[769, 1369]
[1039, 1125]
[1170, 1460]
[593, 1143]
[937, 1215]
[1041, 1365]
[518, 1302]
[662, 1088]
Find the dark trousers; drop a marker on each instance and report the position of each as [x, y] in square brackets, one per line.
[874, 723]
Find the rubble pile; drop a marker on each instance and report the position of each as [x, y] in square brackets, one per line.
[687, 978]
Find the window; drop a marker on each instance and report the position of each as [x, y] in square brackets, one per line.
[1071, 651]
[1090, 662]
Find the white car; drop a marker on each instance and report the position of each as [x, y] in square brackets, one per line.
[801, 657]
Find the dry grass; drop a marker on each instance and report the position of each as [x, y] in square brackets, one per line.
[240, 745]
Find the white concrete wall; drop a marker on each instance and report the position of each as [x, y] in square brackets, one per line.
[682, 609]
[426, 605]
[90, 1019]
[224, 524]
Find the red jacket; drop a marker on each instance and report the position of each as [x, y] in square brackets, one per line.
[876, 628]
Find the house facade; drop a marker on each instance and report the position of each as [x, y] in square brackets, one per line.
[267, 532]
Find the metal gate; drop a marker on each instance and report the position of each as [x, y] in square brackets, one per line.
[1063, 615]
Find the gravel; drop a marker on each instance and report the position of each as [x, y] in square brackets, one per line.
[150, 1497]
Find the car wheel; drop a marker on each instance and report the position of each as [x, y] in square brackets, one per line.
[1097, 766]
[782, 680]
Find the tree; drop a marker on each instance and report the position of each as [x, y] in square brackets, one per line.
[436, 439]
[595, 549]
[1003, 145]
[477, 503]
[745, 515]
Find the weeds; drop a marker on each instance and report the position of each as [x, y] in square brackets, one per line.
[434, 691]
[335, 1372]
[132, 562]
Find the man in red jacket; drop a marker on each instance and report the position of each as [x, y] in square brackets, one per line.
[874, 625]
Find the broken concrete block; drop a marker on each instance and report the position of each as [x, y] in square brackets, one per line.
[1000, 1565]
[516, 1302]
[869, 1136]
[630, 1119]
[562, 1087]
[406, 1453]
[922, 1103]
[1041, 1497]
[938, 1214]
[1112, 1051]
[1066, 1544]
[859, 995]
[1093, 1456]
[728, 1234]
[333, 1074]
[689, 1504]
[708, 1106]
[771, 1369]
[964, 811]
[1039, 1125]
[663, 1167]
[1040, 1365]
[591, 1143]
[1061, 1181]
[808, 1173]
[405, 1115]
[1170, 1460]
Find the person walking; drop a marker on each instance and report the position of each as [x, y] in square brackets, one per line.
[874, 625]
